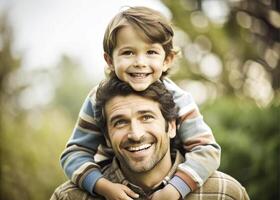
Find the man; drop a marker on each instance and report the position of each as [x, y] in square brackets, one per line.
[139, 127]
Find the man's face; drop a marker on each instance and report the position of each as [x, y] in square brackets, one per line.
[137, 132]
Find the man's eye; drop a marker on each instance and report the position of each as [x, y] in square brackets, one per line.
[127, 53]
[147, 117]
[120, 123]
[151, 52]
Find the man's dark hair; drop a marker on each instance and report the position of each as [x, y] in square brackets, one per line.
[113, 87]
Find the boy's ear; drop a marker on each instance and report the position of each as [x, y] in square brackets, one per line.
[109, 61]
[172, 129]
[168, 60]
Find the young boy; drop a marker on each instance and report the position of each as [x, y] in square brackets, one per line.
[138, 49]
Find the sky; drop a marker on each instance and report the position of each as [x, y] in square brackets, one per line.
[46, 29]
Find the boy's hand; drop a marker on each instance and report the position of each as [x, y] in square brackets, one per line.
[114, 191]
[169, 192]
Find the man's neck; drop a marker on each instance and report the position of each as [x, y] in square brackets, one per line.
[152, 178]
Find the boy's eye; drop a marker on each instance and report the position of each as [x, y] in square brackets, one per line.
[127, 53]
[151, 52]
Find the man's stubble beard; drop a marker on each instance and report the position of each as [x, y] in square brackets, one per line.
[144, 167]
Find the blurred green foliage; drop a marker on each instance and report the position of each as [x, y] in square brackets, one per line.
[71, 87]
[32, 138]
[30, 149]
[231, 47]
[250, 141]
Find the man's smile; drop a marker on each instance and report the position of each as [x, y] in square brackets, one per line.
[141, 152]
[138, 148]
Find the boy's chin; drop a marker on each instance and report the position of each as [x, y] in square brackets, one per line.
[139, 87]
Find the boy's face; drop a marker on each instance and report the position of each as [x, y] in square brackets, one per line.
[136, 61]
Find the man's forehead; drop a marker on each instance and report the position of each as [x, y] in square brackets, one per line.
[130, 103]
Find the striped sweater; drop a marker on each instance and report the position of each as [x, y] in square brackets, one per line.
[86, 149]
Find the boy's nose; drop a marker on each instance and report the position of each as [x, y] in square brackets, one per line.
[140, 61]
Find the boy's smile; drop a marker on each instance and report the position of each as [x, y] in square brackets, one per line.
[135, 60]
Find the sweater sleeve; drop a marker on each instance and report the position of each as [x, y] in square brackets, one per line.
[85, 148]
[202, 153]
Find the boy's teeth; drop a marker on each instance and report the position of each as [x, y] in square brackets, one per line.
[139, 148]
[140, 75]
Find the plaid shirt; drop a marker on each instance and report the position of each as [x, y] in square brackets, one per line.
[219, 186]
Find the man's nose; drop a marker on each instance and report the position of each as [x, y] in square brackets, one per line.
[136, 131]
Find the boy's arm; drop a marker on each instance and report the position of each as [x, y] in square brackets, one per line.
[202, 151]
[79, 159]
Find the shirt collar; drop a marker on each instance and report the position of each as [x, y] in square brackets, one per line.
[176, 157]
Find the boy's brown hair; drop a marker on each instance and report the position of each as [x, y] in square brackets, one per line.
[152, 25]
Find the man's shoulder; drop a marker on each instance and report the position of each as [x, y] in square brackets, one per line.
[221, 185]
[69, 191]
[113, 172]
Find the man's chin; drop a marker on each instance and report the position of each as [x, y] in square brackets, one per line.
[139, 167]
[139, 161]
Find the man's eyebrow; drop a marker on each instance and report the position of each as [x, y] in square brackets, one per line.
[145, 112]
[140, 112]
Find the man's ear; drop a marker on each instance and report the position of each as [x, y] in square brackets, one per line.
[108, 143]
[109, 61]
[167, 62]
[172, 129]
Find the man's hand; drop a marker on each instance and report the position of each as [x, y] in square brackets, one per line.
[114, 191]
[169, 192]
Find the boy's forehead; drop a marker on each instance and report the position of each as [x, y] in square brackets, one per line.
[127, 30]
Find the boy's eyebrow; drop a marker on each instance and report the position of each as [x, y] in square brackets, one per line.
[155, 45]
[125, 47]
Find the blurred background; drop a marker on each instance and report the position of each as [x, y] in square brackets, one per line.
[51, 56]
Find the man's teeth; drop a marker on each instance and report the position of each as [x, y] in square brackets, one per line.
[139, 148]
